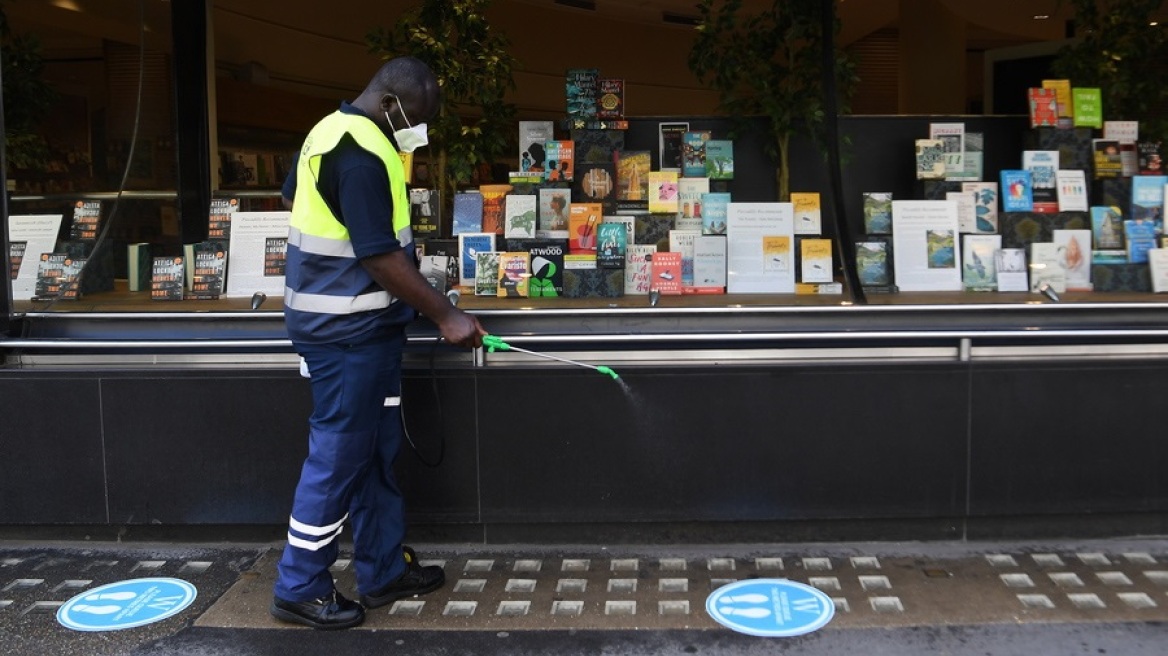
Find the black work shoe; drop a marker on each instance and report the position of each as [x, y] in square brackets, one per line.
[416, 580]
[331, 611]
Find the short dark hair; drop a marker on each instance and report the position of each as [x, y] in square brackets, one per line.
[407, 78]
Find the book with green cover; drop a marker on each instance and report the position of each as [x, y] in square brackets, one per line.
[1087, 103]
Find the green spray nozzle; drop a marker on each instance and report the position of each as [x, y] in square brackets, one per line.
[494, 342]
[608, 371]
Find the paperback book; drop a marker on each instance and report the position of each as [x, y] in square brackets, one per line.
[632, 179]
[720, 159]
[816, 260]
[514, 274]
[86, 218]
[520, 219]
[425, 209]
[1148, 158]
[808, 218]
[682, 241]
[714, 207]
[554, 206]
[709, 264]
[1017, 191]
[470, 244]
[560, 157]
[1140, 237]
[436, 270]
[638, 265]
[50, 279]
[878, 212]
[693, 154]
[665, 273]
[612, 244]
[952, 138]
[1107, 158]
[663, 192]
[1147, 201]
[166, 281]
[581, 92]
[1043, 166]
[486, 273]
[1044, 111]
[219, 218]
[872, 263]
[1107, 228]
[1062, 91]
[547, 267]
[468, 212]
[930, 158]
[689, 197]
[1010, 266]
[1087, 107]
[1045, 268]
[985, 198]
[1072, 190]
[610, 98]
[494, 207]
[532, 137]
[583, 218]
[209, 259]
[671, 137]
[595, 182]
[966, 210]
[1074, 251]
[979, 272]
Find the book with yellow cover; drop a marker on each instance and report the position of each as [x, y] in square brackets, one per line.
[1062, 92]
[514, 273]
[808, 219]
[816, 260]
[663, 192]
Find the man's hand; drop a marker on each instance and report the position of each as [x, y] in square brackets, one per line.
[461, 329]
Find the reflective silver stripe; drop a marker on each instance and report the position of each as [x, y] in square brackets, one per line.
[327, 304]
[392, 401]
[405, 235]
[312, 546]
[301, 527]
[320, 245]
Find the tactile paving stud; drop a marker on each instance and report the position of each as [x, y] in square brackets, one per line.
[407, 607]
[841, 605]
[1066, 579]
[886, 604]
[50, 563]
[520, 585]
[100, 564]
[672, 564]
[1094, 559]
[432, 562]
[612, 607]
[1138, 600]
[42, 608]
[1036, 601]
[624, 565]
[1113, 578]
[1048, 560]
[10, 562]
[768, 563]
[1001, 560]
[1159, 577]
[673, 585]
[717, 583]
[1139, 558]
[72, 584]
[470, 586]
[875, 583]
[479, 565]
[575, 565]
[195, 567]
[513, 608]
[1017, 580]
[22, 584]
[564, 586]
[817, 564]
[1086, 600]
[628, 586]
[865, 562]
[824, 583]
[673, 607]
[340, 565]
[720, 564]
[567, 607]
[528, 565]
[148, 566]
[460, 608]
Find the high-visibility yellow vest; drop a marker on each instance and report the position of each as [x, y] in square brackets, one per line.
[318, 242]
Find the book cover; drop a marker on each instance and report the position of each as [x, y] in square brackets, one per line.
[1074, 250]
[682, 241]
[167, 278]
[952, 138]
[693, 153]
[878, 212]
[638, 268]
[514, 274]
[1107, 158]
[470, 244]
[1062, 91]
[425, 208]
[16, 250]
[559, 162]
[1158, 266]
[582, 221]
[554, 205]
[579, 261]
[139, 266]
[628, 222]
[979, 272]
[219, 218]
[1148, 158]
[208, 264]
[1043, 166]
[715, 204]
[595, 182]
[612, 242]
[51, 282]
[486, 282]
[1045, 268]
[709, 264]
[1044, 111]
[973, 160]
[966, 210]
[1147, 201]
[1140, 237]
[872, 263]
[1010, 267]
[435, 269]
[494, 207]
[1087, 107]
[985, 196]
[581, 92]
[1072, 190]
[665, 273]
[719, 159]
[663, 192]
[689, 199]
[520, 216]
[86, 219]
[670, 137]
[610, 98]
[816, 260]
[930, 157]
[1125, 132]
[808, 219]
[1017, 194]
[532, 137]
[547, 266]
[632, 176]
[596, 145]
[468, 212]
[1107, 227]
[275, 256]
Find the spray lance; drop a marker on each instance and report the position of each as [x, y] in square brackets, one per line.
[494, 343]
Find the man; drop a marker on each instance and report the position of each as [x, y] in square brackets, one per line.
[352, 286]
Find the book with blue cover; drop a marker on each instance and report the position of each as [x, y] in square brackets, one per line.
[1140, 237]
[715, 204]
[1017, 191]
[1148, 199]
[468, 212]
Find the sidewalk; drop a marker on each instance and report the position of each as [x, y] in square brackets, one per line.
[1064, 597]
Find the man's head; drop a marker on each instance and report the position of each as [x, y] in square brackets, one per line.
[403, 93]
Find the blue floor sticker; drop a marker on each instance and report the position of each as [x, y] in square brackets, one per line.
[126, 604]
[770, 608]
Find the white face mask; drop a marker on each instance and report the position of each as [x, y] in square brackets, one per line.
[412, 137]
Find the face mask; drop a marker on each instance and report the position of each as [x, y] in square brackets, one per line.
[412, 137]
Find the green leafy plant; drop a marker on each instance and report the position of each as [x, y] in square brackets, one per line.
[769, 64]
[1117, 50]
[27, 97]
[474, 69]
